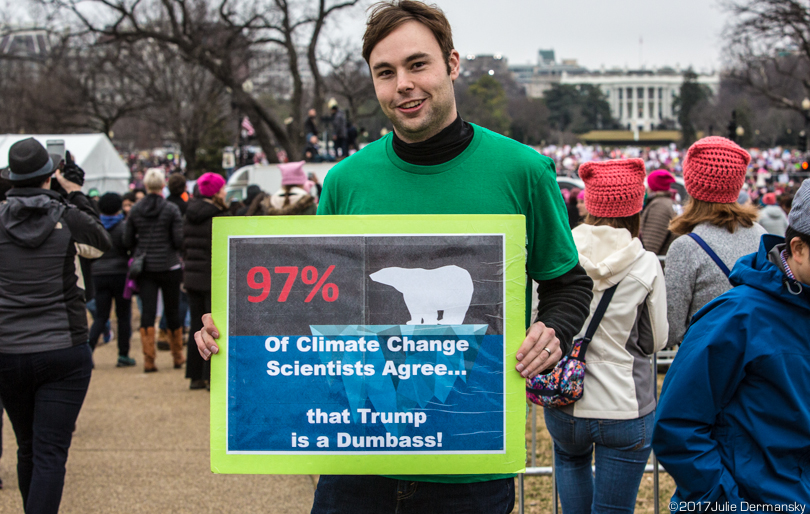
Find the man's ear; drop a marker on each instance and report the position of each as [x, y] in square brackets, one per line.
[454, 62]
[798, 250]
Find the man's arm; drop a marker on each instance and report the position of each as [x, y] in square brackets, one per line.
[83, 221]
[565, 303]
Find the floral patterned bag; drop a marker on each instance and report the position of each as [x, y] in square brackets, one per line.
[563, 385]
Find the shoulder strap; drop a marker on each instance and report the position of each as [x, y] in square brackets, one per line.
[699, 240]
[598, 314]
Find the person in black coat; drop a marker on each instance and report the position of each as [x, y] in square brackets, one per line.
[155, 229]
[110, 277]
[178, 196]
[197, 226]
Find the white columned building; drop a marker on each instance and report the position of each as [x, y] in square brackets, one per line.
[640, 100]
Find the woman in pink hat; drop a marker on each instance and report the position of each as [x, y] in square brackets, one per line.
[657, 213]
[719, 230]
[197, 226]
[614, 418]
[294, 197]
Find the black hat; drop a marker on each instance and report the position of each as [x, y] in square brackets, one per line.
[109, 203]
[28, 159]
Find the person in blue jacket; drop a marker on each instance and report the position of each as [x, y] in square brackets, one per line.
[733, 423]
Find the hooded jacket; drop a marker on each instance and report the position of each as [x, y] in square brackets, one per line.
[619, 382]
[42, 301]
[773, 219]
[197, 224]
[155, 227]
[733, 423]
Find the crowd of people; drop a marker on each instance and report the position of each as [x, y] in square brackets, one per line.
[627, 263]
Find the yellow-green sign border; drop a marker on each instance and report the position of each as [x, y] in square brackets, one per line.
[513, 228]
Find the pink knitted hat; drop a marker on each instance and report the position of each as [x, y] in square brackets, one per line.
[714, 169]
[210, 184]
[614, 189]
[660, 180]
[292, 173]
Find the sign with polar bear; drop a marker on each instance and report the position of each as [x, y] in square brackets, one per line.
[368, 345]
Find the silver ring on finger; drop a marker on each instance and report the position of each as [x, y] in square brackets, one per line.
[547, 350]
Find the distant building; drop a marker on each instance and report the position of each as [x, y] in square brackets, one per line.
[639, 99]
[538, 78]
[25, 44]
[474, 67]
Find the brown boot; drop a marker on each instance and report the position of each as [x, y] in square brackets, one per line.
[148, 343]
[163, 340]
[176, 344]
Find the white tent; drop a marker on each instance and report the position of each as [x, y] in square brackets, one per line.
[94, 153]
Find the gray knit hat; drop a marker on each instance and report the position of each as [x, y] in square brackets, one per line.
[799, 217]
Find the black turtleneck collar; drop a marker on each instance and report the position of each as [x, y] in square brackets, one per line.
[443, 147]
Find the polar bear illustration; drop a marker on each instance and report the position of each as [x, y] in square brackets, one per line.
[427, 291]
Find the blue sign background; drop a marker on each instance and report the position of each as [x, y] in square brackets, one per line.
[264, 411]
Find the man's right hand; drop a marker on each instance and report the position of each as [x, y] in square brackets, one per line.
[206, 338]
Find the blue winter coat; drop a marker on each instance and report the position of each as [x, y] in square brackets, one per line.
[733, 422]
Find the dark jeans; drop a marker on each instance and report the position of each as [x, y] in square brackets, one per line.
[43, 393]
[199, 302]
[109, 287]
[619, 449]
[169, 283]
[368, 494]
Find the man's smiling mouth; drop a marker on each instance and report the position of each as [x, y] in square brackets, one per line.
[412, 104]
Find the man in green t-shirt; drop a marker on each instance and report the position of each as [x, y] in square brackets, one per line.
[436, 163]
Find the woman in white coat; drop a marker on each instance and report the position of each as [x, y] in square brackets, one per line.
[614, 418]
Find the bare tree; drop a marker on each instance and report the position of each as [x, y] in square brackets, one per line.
[349, 79]
[222, 37]
[188, 102]
[769, 49]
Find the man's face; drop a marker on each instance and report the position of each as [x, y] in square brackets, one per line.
[412, 84]
[312, 113]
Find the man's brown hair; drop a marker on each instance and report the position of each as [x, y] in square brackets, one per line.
[386, 17]
[726, 215]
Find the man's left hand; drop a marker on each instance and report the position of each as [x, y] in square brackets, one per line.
[539, 351]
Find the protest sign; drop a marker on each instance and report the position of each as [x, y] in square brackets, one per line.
[368, 345]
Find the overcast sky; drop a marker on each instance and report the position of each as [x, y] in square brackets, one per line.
[595, 32]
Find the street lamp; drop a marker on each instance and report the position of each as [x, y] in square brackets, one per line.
[740, 131]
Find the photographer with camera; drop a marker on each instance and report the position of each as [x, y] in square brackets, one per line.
[45, 361]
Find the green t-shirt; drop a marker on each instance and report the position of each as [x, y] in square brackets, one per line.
[494, 175]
